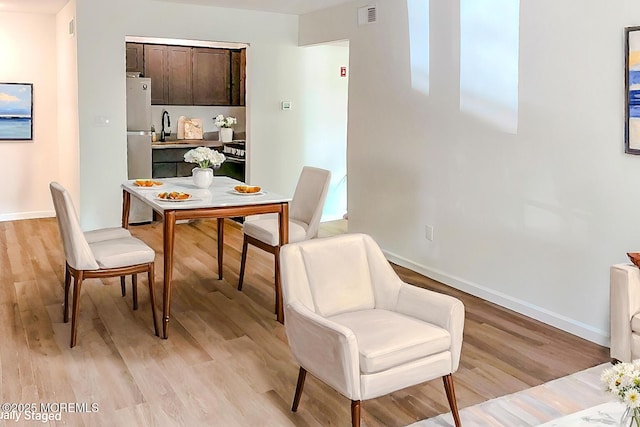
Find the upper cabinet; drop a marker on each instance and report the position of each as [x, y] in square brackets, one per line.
[211, 76]
[156, 68]
[238, 67]
[182, 75]
[134, 58]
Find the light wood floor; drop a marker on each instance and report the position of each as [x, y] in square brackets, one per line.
[226, 362]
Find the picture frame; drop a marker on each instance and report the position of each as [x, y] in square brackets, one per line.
[632, 90]
[16, 111]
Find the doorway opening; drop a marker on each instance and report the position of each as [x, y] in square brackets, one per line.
[326, 90]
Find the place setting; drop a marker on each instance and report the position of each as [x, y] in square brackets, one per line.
[247, 190]
[175, 196]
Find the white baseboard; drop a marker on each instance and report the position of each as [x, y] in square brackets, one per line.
[26, 215]
[523, 307]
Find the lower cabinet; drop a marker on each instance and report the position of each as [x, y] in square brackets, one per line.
[169, 163]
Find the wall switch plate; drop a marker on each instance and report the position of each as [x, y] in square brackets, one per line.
[428, 232]
[285, 105]
[101, 121]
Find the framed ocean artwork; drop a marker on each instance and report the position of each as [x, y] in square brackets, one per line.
[16, 111]
[632, 90]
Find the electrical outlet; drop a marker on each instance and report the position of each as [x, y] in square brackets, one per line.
[428, 232]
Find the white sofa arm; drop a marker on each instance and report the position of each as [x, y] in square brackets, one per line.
[325, 349]
[624, 304]
[438, 309]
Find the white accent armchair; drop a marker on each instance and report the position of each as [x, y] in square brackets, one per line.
[354, 324]
[625, 312]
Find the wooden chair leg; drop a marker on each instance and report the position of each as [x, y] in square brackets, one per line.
[134, 289]
[451, 397]
[243, 261]
[276, 268]
[152, 298]
[355, 413]
[296, 399]
[123, 287]
[67, 285]
[75, 309]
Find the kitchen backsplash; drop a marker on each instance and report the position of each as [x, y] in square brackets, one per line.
[194, 112]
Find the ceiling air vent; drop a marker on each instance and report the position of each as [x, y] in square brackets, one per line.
[367, 15]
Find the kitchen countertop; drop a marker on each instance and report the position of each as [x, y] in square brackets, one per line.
[189, 143]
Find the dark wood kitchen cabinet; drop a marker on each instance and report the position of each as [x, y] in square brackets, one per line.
[169, 68]
[169, 163]
[179, 75]
[211, 76]
[183, 75]
[155, 67]
[238, 67]
[135, 57]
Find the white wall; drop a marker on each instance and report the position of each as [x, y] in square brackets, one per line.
[68, 166]
[28, 55]
[531, 221]
[274, 62]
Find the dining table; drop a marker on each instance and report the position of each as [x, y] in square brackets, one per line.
[219, 201]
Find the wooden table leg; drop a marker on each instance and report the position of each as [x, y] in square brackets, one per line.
[220, 245]
[168, 238]
[283, 226]
[126, 206]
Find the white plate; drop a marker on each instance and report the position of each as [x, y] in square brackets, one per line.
[257, 193]
[152, 187]
[190, 199]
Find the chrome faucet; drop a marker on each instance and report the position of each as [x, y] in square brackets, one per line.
[163, 133]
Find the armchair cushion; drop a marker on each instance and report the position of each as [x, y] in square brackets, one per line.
[339, 280]
[387, 339]
[121, 252]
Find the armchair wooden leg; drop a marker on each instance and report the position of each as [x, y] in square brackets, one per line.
[134, 289]
[276, 268]
[296, 399]
[243, 261]
[74, 310]
[67, 285]
[451, 397]
[355, 413]
[152, 298]
[123, 287]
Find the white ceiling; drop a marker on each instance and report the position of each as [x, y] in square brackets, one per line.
[295, 7]
[32, 6]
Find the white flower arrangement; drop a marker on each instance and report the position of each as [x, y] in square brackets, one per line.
[204, 157]
[222, 122]
[623, 381]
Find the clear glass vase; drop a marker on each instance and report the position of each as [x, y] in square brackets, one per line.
[630, 417]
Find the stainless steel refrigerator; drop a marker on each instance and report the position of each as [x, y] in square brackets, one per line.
[139, 141]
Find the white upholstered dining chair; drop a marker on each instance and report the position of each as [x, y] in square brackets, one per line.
[355, 325]
[305, 212]
[103, 253]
